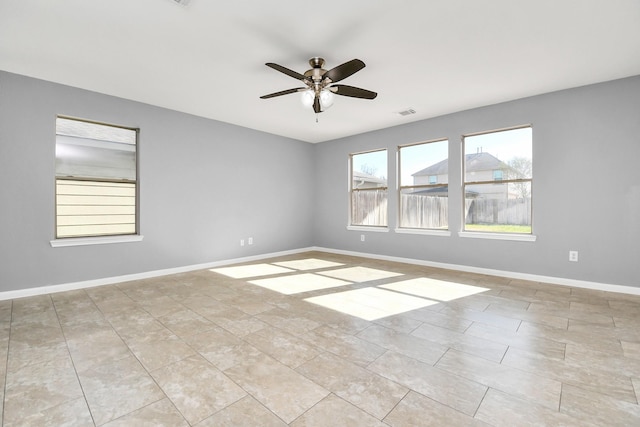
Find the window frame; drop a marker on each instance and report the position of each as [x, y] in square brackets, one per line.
[491, 234]
[367, 227]
[92, 239]
[400, 187]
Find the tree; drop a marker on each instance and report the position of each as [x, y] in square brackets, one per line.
[368, 169]
[371, 170]
[519, 168]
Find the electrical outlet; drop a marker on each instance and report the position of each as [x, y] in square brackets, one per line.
[362, 237]
[250, 240]
[573, 256]
[241, 242]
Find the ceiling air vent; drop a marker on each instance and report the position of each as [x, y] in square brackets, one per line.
[182, 2]
[406, 112]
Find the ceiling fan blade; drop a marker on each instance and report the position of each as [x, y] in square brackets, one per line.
[316, 105]
[286, 71]
[343, 71]
[283, 92]
[354, 92]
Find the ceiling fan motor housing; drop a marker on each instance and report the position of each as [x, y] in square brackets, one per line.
[316, 73]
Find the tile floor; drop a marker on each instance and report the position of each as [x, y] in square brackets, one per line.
[320, 339]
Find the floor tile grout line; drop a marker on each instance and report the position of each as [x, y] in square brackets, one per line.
[75, 370]
[6, 364]
[409, 390]
[247, 393]
[149, 372]
[481, 401]
[365, 368]
[134, 355]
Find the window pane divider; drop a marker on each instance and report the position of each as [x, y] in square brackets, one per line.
[85, 178]
[499, 181]
[408, 187]
[370, 189]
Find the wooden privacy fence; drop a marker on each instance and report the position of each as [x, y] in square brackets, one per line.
[369, 207]
[498, 211]
[420, 211]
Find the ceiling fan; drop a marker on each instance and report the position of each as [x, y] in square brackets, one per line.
[320, 84]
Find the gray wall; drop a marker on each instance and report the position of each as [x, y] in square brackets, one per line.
[586, 190]
[204, 186]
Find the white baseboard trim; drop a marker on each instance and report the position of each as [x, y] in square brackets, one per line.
[50, 289]
[42, 290]
[491, 272]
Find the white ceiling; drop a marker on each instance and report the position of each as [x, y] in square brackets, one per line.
[207, 58]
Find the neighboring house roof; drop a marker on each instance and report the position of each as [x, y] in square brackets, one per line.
[365, 177]
[473, 162]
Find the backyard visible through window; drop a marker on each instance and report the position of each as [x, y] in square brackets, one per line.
[369, 188]
[424, 185]
[96, 185]
[497, 181]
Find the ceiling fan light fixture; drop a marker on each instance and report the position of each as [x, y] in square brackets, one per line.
[320, 88]
[307, 97]
[326, 98]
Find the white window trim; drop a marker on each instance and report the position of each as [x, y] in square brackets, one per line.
[498, 236]
[85, 241]
[126, 146]
[400, 187]
[489, 235]
[377, 229]
[424, 231]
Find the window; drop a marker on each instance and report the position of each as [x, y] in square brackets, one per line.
[96, 179]
[505, 156]
[369, 188]
[424, 178]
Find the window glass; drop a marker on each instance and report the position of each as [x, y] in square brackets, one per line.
[96, 179]
[424, 192]
[504, 156]
[369, 188]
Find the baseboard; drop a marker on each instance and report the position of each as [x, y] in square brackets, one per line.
[469, 269]
[491, 272]
[42, 290]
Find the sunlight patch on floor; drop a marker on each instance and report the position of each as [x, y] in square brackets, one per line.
[359, 274]
[370, 303]
[308, 264]
[253, 270]
[297, 283]
[434, 289]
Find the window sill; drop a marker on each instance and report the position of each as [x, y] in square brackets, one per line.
[368, 228]
[498, 236]
[84, 241]
[424, 231]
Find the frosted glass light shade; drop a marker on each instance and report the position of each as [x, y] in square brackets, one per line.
[306, 97]
[326, 98]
